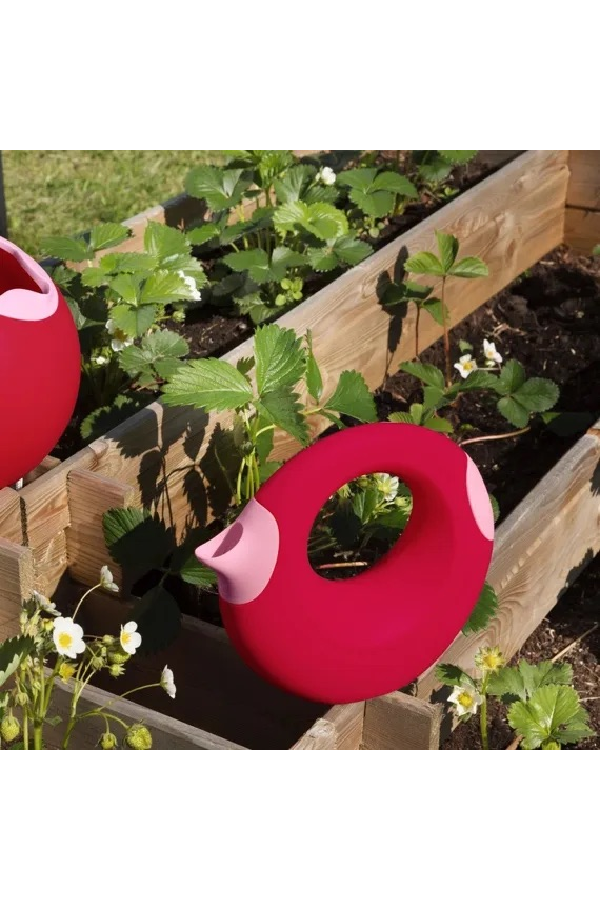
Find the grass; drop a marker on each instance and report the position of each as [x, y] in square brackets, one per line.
[52, 192]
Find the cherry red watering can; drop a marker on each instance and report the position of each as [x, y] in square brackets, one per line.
[345, 641]
[39, 363]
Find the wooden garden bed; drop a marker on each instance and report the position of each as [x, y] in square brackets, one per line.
[53, 525]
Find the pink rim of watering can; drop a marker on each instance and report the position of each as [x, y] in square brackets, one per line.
[345, 641]
[39, 363]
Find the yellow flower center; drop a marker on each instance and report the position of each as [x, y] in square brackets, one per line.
[465, 700]
[468, 366]
[125, 638]
[491, 661]
[65, 640]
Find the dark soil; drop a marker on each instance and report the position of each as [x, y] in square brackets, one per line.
[577, 612]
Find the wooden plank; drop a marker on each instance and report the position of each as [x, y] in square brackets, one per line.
[16, 583]
[511, 219]
[89, 496]
[11, 526]
[50, 563]
[339, 729]
[584, 182]
[44, 501]
[539, 551]
[47, 464]
[167, 733]
[400, 722]
[582, 229]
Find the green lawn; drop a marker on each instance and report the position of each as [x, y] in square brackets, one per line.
[51, 192]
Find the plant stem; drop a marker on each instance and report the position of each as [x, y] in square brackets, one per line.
[495, 437]
[483, 714]
[87, 593]
[25, 728]
[446, 338]
[417, 322]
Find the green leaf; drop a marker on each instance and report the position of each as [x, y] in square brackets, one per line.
[93, 277]
[424, 263]
[401, 418]
[314, 380]
[135, 538]
[361, 179]
[436, 310]
[545, 672]
[158, 619]
[203, 234]
[127, 286]
[513, 412]
[134, 321]
[458, 157]
[107, 235]
[439, 424]
[469, 267]
[161, 350]
[69, 248]
[511, 378]
[139, 263]
[325, 221]
[428, 374]
[220, 188]
[448, 247]
[433, 397]
[350, 250]
[452, 675]
[161, 240]
[290, 216]
[396, 184]
[485, 609]
[542, 718]
[252, 305]
[280, 358]
[281, 407]
[291, 185]
[537, 394]
[165, 287]
[209, 384]
[12, 653]
[576, 729]
[353, 398]
[508, 684]
[495, 508]
[255, 262]
[193, 572]
[476, 381]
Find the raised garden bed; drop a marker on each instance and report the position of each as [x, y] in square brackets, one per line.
[511, 220]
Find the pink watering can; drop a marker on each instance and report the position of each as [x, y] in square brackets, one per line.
[345, 641]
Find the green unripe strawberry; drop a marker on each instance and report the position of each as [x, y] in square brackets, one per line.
[138, 738]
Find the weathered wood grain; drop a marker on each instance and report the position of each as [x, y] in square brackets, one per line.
[16, 579]
[584, 181]
[582, 229]
[89, 496]
[167, 733]
[339, 729]
[11, 526]
[539, 551]
[400, 722]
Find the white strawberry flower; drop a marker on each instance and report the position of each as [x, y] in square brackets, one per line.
[465, 365]
[107, 580]
[68, 637]
[326, 176]
[45, 605]
[191, 284]
[466, 699]
[167, 681]
[130, 639]
[388, 485]
[492, 357]
[99, 360]
[120, 340]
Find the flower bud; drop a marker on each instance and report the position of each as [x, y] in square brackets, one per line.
[108, 741]
[48, 624]
[21, 698]
[551, 745]
[116, 670]
[108, 640]
[138, 738]
[118, 657]
[10, 728]
[97, 663]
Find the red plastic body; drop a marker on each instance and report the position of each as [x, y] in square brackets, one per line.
[39, 364]
[349, 640]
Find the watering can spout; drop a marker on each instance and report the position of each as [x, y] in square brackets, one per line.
[244, 554]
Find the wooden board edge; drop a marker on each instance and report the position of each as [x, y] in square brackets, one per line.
[398, 721]
[582, 229]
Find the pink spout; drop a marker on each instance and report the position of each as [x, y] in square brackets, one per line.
[244, 555]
